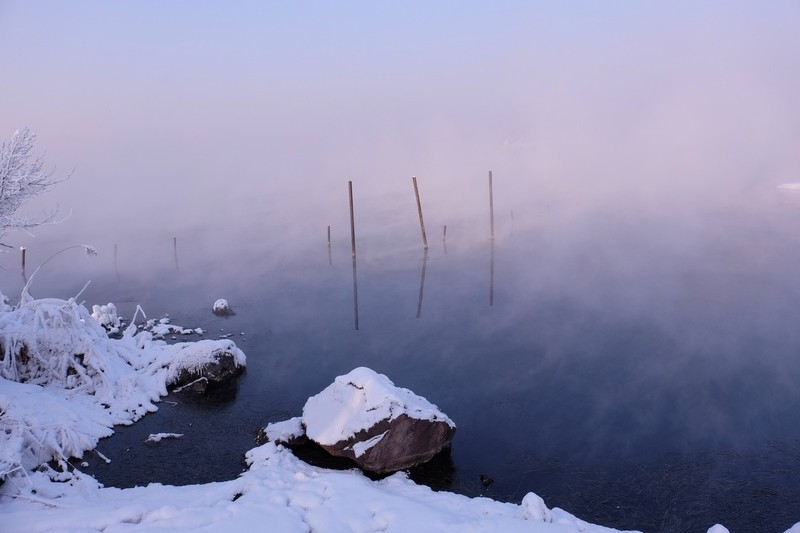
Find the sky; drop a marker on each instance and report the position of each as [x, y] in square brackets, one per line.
[169, 114]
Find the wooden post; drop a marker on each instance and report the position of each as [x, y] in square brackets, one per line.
[22, 249]
[419, 209]
[329, 235]
[491, 206]
[353, 241]
[352, 218]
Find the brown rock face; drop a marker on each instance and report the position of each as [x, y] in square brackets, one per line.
[406, 442]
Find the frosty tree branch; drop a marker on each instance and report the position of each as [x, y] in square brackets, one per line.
[22, 176]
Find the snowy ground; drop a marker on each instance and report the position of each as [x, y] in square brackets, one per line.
[64, 408]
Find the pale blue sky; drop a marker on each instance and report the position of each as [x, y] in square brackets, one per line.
[286, 101]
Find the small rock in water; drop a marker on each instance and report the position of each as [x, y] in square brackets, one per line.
[486, 480]
[221, 308]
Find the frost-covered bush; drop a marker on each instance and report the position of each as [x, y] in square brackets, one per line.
[56, 342]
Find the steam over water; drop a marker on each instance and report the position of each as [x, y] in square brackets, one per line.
[636, 370]
[626, 347]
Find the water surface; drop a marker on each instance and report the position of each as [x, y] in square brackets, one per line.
[637, 370]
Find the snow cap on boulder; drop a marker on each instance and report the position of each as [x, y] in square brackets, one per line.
[364, 416]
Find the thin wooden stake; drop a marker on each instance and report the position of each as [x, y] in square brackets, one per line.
[329, 235]
[352, 218]
[22, 248]
[419, 209]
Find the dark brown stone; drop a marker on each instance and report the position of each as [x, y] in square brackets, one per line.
[407, 442]
[223, 368]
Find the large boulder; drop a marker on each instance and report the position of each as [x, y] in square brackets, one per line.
[382, 428]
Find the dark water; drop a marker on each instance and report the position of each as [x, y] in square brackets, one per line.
[639, 372]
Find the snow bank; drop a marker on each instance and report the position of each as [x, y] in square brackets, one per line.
[64, 383]
[280, 491]
[358, 401]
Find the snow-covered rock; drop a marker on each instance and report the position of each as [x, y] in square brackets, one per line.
[212, 360]
[533, 508]
[383, 428]
[221, 308]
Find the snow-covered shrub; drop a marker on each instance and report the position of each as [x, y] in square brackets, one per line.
[55, 342]
[64, 383]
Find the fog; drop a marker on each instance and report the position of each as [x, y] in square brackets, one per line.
[254, 115]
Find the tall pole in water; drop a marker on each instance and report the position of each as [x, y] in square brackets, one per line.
[419, 210]
[491, 206]
[353, 240]
[352, 218]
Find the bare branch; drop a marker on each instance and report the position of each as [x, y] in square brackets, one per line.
[22, 176]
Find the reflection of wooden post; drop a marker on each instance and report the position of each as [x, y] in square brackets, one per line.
[491, 278]
[419, 209]
[491, 206]
[352, 219]
[330, 257]
[422, 282]
[355, 293]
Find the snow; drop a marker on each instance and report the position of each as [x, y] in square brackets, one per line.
[158, 437]
[357, 401]
[790, 186]
[284, 431]
[360, 447]
[221, 306]
[279, 490]
[106, 315]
